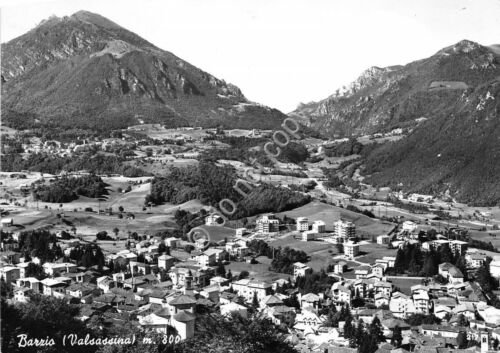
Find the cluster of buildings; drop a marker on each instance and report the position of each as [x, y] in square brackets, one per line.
[165, 291]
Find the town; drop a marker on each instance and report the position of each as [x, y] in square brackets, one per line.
[410, 288]
[149, 206]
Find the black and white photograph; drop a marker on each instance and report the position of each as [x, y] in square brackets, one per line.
[250, 176]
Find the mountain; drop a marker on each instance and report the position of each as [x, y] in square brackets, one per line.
[448, 103]
[85, 71]
[384, 98]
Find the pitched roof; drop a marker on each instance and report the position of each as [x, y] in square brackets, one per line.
[182, 300]
[184, 316]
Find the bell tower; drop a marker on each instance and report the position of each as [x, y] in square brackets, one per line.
[485, 341]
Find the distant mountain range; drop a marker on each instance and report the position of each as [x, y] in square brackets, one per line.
[449, 103]
[84, 71]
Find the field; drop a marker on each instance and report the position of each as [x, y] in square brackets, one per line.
[374, 252]
[258, 271]
[316, 210]
[320, 252]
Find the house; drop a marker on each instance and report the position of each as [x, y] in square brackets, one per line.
[382, 287]
[309, 235]
[351, 250]
[409, 226]
[54, 269]
[362, 271]
[79, 290]
[441, 311]
[211, 257]
[105, 283]
[7, 222]
[475, 260]
[378, 270]
[300, 270]
[307, 320]
[444, 269]
[272, 300]
[421, 302]
[249, 288]
[495, 266]
[383, 239]
[360, 287]
[302, 224]
[11, 257]
[55, 287]
[240, 232]
[29, 282]
[340, 267]
[160, 321]
[214, 220]
[401, 305]
[281, 314]
[341, 294]
[465, 309]
[172, 242]
[233, 308]
[455, 275]
[211, 292]
[318, 227]
[268, 224]
[391, 260]
[236, 249]
[166, 262]
[193, 274]
[22, 294]
[440, 330]
[309, 300]
[381, 299]
[9, 273]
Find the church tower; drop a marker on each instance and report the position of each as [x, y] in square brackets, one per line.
[485, 341]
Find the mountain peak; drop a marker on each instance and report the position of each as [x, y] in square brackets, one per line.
[103, 76]
[95, 19]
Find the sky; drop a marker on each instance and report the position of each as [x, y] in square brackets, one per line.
[283, 52]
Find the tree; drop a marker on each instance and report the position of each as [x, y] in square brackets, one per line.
[116, 231]
[255, 300]
[397, 337]
[462, 340]
[221, 270]
[121, 209]
[243, 274]
[348, 328]
[376, 330]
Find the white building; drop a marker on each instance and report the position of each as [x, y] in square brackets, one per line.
[344, 229]
[401, 305]
[302, 224]
[351, 250]
[240, 232]
[268, 224]
[248, 288]
[213, 220]
[409, 226]
[234, 308]
[309, 235]
[383, 239]
[318, 226]
[300, 270]
[495, 266]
